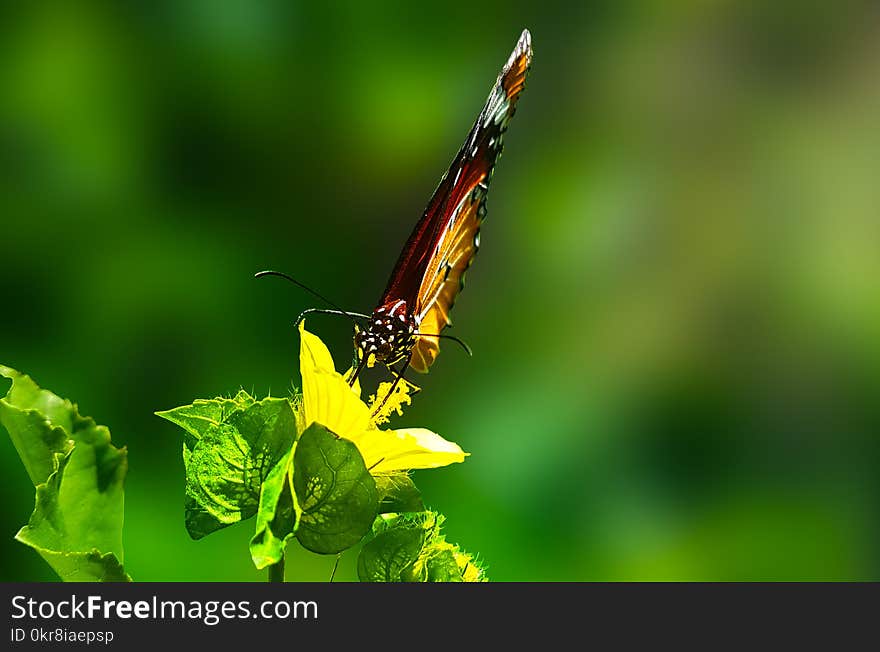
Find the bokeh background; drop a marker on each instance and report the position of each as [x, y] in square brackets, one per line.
[675, 312]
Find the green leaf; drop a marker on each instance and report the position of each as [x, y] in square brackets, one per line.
[410, 548]
[389, 557]
[199, 417]
[38, 422]
[230, 448]
[76, 525]
[79, 507]
[84, 566]
[442, 567]
[277, 515]
[398, 493]
[335, 491]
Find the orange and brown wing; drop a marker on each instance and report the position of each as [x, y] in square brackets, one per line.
[445, 277]
[446, 240]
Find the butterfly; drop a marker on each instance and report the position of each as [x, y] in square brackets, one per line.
[408, 322]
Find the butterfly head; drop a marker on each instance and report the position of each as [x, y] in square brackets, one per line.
[390, 335]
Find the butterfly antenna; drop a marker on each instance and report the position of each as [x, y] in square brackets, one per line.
[463, 344]
[353, 316]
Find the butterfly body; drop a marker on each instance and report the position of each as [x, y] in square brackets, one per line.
[429, 274]
[390, 335]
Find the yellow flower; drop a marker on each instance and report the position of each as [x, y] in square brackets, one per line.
[328, 400]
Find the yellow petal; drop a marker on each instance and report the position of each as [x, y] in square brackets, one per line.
[328, 400]
[313, 353]
[356, 386]
[408, 448]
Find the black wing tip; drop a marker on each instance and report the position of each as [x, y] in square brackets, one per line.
[525, 41]
[523, 46]
[513, 74]
[523, 50]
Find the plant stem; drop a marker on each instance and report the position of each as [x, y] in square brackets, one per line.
[276, 571]
[335, 566]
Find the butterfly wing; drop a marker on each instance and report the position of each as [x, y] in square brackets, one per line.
[444, 278]
[430, 271]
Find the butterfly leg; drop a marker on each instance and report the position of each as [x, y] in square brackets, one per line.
[398, 376]
[357, 371]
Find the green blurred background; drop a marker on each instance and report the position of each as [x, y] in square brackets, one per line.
[675, 313]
